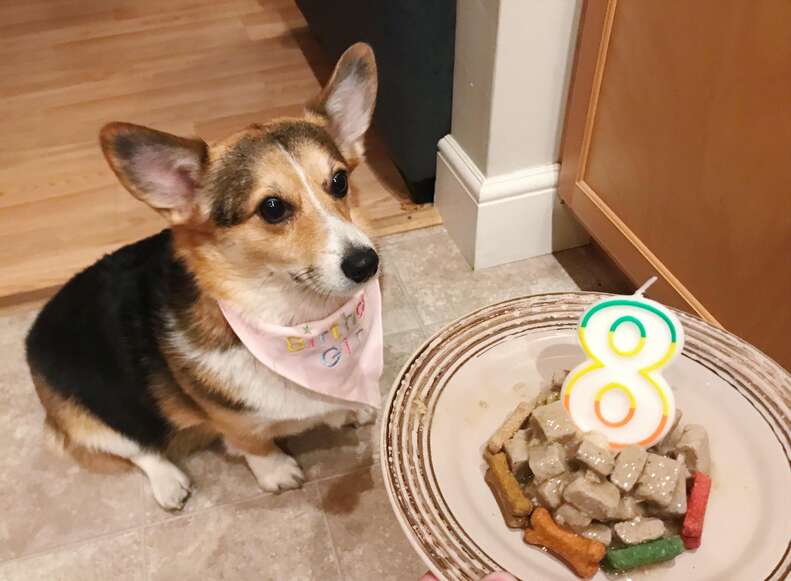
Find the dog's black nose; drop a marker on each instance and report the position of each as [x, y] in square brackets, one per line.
[360, 263]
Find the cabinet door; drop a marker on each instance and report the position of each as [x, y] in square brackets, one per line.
[677, 154]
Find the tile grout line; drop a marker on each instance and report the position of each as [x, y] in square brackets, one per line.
[74, 544]
[144, 536]
[396, 272]
[415, 310]
[71, 544]
[146, 525]
[334, 548]
[327, 520]
[411, 303]
[144, 490]
[254, 497]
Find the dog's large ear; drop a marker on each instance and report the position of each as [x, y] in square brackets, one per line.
[160, 169]
[348, 99]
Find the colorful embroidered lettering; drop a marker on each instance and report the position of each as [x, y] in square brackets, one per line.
[331, 357]
[360, 310]
[294, 344]
[346, 330]
[350, 321]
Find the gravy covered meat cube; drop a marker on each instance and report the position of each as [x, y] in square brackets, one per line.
[628, 508]
[554, 422]
[546, 461]
[517, 451]
[569, 516]
[597, 499]
[628, 467]
[694, 445]
[668, 443]
[598, 532]
[550, 492]
[658, 481]
[595, 453]
[639, 530]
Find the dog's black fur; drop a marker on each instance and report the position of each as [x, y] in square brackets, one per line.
[97, 342]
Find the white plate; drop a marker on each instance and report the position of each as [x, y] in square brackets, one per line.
[457, 388]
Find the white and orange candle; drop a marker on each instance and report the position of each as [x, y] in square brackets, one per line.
[619, 390]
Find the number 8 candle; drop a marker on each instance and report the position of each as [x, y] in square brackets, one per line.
[619, 390]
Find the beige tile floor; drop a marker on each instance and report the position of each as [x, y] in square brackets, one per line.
[59, 522]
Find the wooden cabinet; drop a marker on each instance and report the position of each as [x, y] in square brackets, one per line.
[677, 154]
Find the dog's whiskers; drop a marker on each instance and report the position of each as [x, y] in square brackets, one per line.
[303, 275]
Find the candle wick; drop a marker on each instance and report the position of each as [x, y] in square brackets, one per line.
[639, 292]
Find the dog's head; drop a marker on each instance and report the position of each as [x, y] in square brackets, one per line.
[269, 201]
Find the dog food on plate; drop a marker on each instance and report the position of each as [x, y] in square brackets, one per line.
[590, 505]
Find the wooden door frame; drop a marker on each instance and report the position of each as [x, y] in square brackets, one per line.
[633, 257]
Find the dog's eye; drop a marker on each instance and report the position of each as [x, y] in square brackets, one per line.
[339, 184]
[274, 210]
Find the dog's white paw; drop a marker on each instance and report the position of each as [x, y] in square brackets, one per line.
[171, 487]
[276, 471]
[362, 417]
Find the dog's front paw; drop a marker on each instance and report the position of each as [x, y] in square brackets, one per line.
[171, 488]
[276, 471]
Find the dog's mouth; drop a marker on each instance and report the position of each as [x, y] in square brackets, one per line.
[339, 274]
[312, 278]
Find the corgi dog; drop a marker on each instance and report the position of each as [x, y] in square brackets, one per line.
[138, 353]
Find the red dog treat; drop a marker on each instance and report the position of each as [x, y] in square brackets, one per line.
[696, 510]
[691, 543]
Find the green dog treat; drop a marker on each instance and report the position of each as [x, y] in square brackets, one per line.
[645, 554]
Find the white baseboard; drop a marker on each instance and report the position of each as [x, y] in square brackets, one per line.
[503, 218]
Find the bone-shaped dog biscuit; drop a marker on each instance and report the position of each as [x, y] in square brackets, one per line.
[506, 487]
[512, 520]
[511, 424]
[581, 554]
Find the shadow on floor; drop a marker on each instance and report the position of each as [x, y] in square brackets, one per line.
[320, 438]
[592, 270]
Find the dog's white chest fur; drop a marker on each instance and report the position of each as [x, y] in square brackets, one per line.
[274, 398]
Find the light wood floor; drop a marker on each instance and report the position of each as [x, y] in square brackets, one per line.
[193, 67]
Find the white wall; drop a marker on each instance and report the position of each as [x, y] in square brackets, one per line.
[497, 170]
[473, 76]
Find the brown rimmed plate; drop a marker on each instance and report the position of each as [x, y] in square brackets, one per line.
[455, 390]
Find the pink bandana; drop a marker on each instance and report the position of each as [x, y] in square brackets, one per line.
[340, 356]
